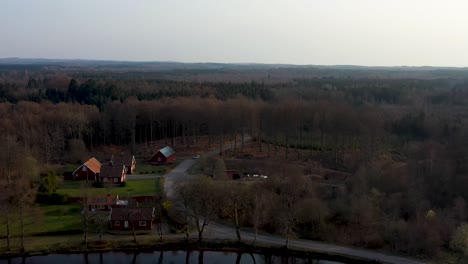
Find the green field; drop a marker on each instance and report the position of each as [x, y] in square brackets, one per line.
[144, 167]
[45, 218]
[132, 188]
[56, 218]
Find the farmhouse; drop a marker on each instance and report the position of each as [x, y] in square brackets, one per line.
[113, 174]
[105, 203]
[124, 159]
[89, 170]
[132, 218]
[164, 155]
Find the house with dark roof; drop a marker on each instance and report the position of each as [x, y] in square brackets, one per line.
[105, 203]
[89, 170]
[124, 159]
[132, 218]
[113, 174]
[164, 155]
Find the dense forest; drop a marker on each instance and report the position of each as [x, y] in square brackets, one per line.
[402, 140]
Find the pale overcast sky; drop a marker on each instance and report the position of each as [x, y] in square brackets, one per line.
[325, 32]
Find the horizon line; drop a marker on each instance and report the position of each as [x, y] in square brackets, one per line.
[231, 63]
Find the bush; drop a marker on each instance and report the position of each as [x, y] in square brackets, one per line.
[123, 184]
[459, 240]
[51, 199]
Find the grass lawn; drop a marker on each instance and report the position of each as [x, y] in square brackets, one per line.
[45, 218]
[132, 188]
[144, 167]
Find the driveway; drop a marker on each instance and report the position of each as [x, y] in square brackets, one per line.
[143, 176]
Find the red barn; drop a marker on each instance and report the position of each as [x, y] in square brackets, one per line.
[164, 155]
[114, 174]
[125, 159]
[132, 218]
[89, 170]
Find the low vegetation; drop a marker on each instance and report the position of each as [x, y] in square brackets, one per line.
[132, 188]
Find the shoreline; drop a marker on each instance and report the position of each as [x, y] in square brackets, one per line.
[184, 245]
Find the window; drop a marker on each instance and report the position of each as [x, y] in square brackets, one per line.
[142, 223]
[159, 159]
[84, 168]
[116, 179]
[100, 206]
[104, 180]
[117, 223]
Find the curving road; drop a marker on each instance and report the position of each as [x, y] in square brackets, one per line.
[215, 230]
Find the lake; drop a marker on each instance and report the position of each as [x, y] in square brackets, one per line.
[168, 257]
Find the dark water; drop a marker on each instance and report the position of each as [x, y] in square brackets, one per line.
[167, 257]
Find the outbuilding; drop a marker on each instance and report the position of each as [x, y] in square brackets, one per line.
[164, 155]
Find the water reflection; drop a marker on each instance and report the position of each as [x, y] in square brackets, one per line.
[174, 257]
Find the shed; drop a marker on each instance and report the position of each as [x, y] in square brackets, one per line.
[164, 155]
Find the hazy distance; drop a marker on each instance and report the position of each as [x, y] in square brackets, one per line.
[319, 32]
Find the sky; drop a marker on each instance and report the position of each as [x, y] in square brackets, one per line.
[317, 32]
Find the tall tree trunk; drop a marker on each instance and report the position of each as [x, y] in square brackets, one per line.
[235, 142]
[201, 228]
[7, 226]
[242, 139]
[268, 146]
[236, 216]
[160, 232]
[86, 233]
[186, 229]
[221, 144]
[100, 228]
[133, 231]
[22, 227]
[174, 133]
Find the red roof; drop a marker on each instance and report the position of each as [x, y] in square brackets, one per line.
[93, 164]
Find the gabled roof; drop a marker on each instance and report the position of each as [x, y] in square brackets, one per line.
[93, 164]
[122, 159]
[132, 213]
[104, 200]
[114, 171]
[167, 151]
